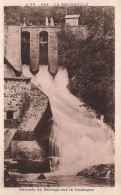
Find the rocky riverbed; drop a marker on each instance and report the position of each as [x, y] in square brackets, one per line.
[93, 176]
[99, 171]
[32, 180]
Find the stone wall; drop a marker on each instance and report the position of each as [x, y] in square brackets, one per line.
[32, 109]
[71, 21]
[53, 51]
[8, 72]
[12, 45]
[34, 47]
[5, 39]
[15, 98]
[33, 128]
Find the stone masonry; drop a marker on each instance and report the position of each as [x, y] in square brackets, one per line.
[34, 47]
[25, 144]
[12, 42]
[22, 142]
[16, 91]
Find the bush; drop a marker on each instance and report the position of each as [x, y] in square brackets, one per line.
[90, 63]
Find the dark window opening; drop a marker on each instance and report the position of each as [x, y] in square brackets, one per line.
[43, 48]
[25, 47]
[9, 114]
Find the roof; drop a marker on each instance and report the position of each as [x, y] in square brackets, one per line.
[72, 16]
[18, 73]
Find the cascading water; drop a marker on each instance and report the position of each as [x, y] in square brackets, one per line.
[54, 149]
[77, 138]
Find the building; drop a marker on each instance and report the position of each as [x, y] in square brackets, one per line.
[72, 20]
[24, 121]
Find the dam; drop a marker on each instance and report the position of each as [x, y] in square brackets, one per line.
[18, 39]
[47, 129]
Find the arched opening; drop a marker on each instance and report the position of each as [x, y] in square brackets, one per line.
[25, 47]
[43, 47]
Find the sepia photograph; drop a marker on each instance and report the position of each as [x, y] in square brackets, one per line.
[59, 96]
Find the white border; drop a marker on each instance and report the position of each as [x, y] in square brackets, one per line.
[117, 3]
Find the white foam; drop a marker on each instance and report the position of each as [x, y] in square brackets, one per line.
[82, 140]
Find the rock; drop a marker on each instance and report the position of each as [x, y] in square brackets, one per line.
[11, 164]
[98, 171]
[41, 176]
[8, 181]
[6, 174]
[8, 136]
[26, 150]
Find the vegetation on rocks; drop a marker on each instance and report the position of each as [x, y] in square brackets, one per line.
[90, 62]
[98, 171]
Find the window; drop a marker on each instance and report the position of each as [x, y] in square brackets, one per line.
[43, 48]
[25, 47]
[9, 114]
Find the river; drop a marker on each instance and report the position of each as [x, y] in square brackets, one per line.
[77, 137]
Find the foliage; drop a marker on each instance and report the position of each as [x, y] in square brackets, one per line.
[90, 62]
[14, 15]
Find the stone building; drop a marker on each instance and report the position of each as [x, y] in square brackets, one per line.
[27, 125]
[72, 20]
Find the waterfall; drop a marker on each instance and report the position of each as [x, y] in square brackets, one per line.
[78, 139]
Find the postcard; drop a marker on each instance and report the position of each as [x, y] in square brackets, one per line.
[60, 97]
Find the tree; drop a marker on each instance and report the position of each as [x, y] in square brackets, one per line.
[90, 62]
